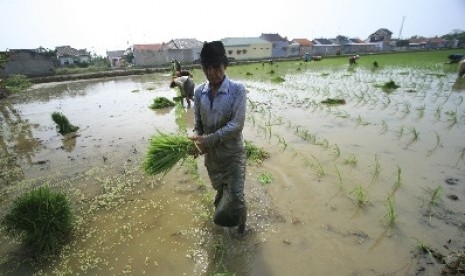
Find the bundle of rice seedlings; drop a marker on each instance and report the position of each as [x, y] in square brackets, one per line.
[161, 102]
[64, 126]
[42, 219]
[165, 151]
[332, 101]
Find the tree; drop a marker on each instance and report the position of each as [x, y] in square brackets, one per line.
[458, 35]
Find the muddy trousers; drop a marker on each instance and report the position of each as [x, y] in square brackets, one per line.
[233, 180]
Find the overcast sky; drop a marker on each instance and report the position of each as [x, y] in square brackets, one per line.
[100, 25]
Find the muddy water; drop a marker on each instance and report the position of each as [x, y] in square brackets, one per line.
[402, 145]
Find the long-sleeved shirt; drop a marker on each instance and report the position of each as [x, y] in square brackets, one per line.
[221, 120]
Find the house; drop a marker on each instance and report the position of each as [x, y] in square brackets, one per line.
[305, 45]
[324, 47]
[382, 39]
[28, 62]
[280, 44]
[116, 58]
[147, 55]
[184, 50]
[247, 48]
[67, 56]
[161, 54]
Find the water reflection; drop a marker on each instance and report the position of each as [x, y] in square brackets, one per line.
[459, 84]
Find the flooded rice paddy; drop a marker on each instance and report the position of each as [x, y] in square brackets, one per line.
[353, 189]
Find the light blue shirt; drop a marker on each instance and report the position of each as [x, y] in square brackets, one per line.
[221, 121]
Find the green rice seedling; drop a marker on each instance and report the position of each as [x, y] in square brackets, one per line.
[281, 140]
[254, 153]
[435, 196]
[384, 127]
[318, 168]
[265, 178]
[391, 215]
[452, 117]
[360, 121]
[398, 182]
[63, 124]
[42, 219]
[438, 143]
[461, 157]
[339, 176]
[165, 151]
[377, 169]
[400, 132]
[351, 161]
[135, 91]
[438, 113]
[337, 151]
[161, 102]
[415, 136]
[360, 195]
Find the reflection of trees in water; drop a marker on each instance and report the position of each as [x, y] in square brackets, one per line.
[17, 143]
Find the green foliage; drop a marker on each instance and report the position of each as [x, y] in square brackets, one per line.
[63, 124]
[16, 83]
[265, 178]
[391, 214]
[360, 195]
[161, 102]
[165, 151]
[254, 153]
[42, 219]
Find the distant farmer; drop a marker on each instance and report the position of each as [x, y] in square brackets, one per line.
[186, 87]
[455, 58]
[176, 66]
[307, 57]
[353, 59]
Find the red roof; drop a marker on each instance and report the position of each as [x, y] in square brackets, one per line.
[303, 41]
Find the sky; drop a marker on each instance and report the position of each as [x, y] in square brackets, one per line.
[101, 25]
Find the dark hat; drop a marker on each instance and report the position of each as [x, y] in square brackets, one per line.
[213, 53]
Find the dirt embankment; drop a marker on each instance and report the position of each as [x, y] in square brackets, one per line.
[94, 75]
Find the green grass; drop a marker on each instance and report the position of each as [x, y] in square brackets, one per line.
[434, 60]
[16, 83]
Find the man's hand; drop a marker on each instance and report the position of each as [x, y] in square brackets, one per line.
[199, 146]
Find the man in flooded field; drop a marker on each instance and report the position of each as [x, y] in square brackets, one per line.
[186, 87]
[220, 106]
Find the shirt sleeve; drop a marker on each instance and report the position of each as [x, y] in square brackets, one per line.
[198, 128]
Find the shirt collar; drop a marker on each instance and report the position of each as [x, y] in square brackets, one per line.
[224, 88]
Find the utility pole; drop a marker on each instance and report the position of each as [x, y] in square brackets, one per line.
[401, 27]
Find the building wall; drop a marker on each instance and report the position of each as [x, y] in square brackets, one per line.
[249, 52]
[325, 50]
[28, 63]
[280, 49]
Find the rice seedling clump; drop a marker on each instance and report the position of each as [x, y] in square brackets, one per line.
[41, 218]
[165, 151]
[64, 126]
[161, 102]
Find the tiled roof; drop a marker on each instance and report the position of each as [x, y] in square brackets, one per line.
[273, 37]
[303, 41]
[242, 41]
[63, 51]
[183, 43]
[323, 41]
